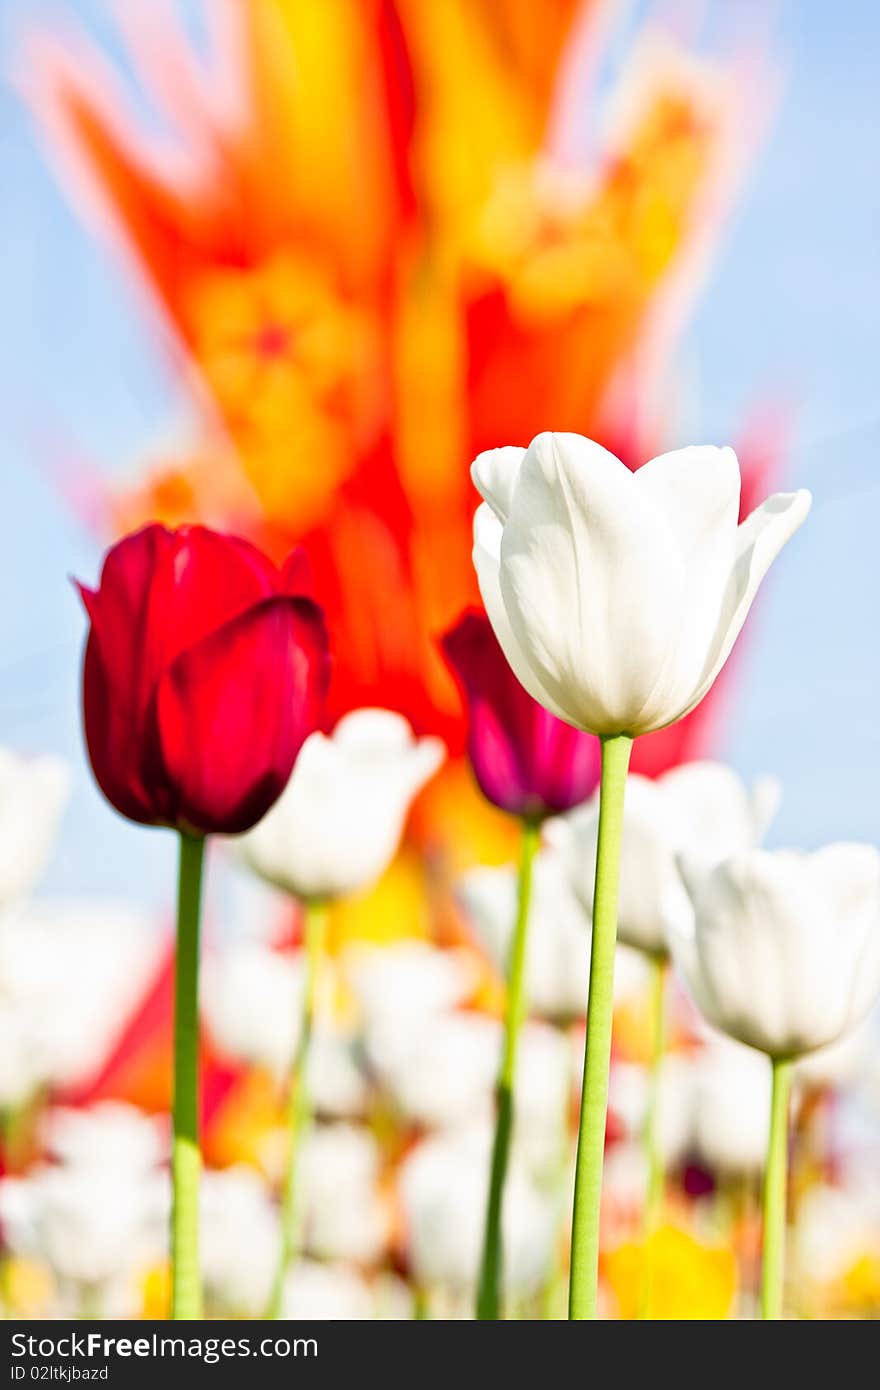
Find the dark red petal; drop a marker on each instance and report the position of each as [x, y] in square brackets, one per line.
[501, 715]
[122, 658]
[233, 710]
[115, 741]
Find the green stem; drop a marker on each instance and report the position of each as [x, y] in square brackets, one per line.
[653, 1154]
[186, 1160]
[299, 1104]
[489, 1288]
[775, 1183]
[597, 1057]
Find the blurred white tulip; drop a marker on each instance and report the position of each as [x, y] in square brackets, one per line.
[110, 1135]
[239, 1241]
[70, 975]
[398, 988]
[837, 1228]
[784, 950]
[714, 1105]
[731, 1108]
[444, 1071]
[99, 1216]
[617, 596]
[558, 944]
[343, 1216]
[337, 824]
[700, 809]
[33, 794]
[443, 1186]
[328, 1292]
[842, 1063]
[628, 1096]
[253, 999]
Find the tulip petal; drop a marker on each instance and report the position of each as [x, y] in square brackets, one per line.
[375, 732]
[716, 813]
[119, 672]
[592, 582]
[487, 563]
[846, 878]
[115, 730]
[233, 710]
[696, 490]
[211, 578]
[495, 473]
[758, 541]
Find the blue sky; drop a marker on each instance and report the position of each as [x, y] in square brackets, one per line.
[794, 305]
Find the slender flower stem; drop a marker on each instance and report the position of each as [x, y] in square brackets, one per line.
[775, 1184]
[299, 1104]
[489, 1288]
[594, 1096]
[653, 1154]
[186, 1158]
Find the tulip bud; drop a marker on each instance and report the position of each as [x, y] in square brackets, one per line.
[525, 760]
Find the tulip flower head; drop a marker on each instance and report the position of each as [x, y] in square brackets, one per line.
[558, 947]
[338, 823]
[442, 1190]
[783, 952]
[617, 596]
[525, 760]
[205, 669]
[701, 809]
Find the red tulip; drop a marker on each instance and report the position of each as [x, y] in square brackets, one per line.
[525, 760]
[205, 669]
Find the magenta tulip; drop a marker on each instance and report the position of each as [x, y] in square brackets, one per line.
[525, 760]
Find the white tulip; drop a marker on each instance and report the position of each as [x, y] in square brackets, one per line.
[327, 1292]
[843, 1063]
[70, 975]
[239, 1240]
[254, 998]
[628, 1097]
[337, 824]
[702, 808]
[443, 1189]
[400, 987]
[617, 596]
[837, 1228]
[444, 1073]
[731, 1103]
[33, 793]
[99, 1215]
[111, 1135]
[344, 1217]
[558, 943]
[784, 950]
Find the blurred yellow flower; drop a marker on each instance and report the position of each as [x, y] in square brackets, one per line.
[155, 1291]
[691, 1280]
[27, 1287]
